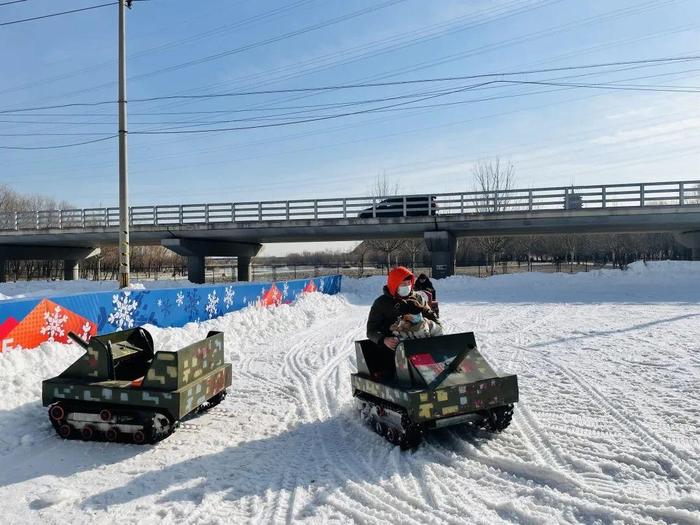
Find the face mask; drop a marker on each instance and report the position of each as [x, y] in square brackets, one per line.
[403, 290]
[416, 318]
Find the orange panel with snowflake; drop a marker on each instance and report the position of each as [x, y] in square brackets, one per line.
[51, 322]
[310, 287]
[272, 297]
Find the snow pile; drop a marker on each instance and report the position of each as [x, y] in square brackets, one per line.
[640, 282]
[24, 289]
[606, 429]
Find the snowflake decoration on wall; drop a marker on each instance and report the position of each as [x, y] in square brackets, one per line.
[228, 296]
[191, 302]
[124, 308]
[85, 334]
[212, 304]
[285, 289]
[165, 306]
[180, 299]
[321, 284]
[53, 324]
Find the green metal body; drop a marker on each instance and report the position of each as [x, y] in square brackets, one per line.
[122, 369]
[437, 380]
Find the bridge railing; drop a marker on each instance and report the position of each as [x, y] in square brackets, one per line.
[633, 195]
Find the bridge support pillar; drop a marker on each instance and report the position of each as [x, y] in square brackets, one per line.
[244, 268]
[71, 256]
[71, 270]
[691, 240]
[196, 269]
[197, 249]
[442, 246]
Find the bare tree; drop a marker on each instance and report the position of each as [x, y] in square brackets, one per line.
[493, 179]
[361, 252]
[413, 248]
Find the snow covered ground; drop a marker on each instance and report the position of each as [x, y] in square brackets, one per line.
[606, 430]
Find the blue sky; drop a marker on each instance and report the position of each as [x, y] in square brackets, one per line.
[554, 137]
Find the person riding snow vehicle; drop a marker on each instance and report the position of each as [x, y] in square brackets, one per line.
[392, 306]
[412, 324]
[423, 284]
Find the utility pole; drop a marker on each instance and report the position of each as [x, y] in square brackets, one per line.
[123, 182]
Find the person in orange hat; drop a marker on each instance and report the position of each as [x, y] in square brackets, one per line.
[390, 306]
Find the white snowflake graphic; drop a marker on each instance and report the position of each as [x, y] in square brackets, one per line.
[321, 284]
[180, 298]
[85, 334]
[212, 304]
[53, 324]
[285, 289]
[228, 296]
[124, 308]
[160, 303]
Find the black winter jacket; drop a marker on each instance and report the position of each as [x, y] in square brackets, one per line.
[384, 312]
[425, 286]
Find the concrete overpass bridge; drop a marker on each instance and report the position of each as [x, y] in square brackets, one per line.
[238, 229]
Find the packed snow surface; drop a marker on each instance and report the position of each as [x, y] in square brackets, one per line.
[606, 430]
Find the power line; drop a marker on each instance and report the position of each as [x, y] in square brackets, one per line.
[164, 46]
[75, 104]
[506, 43]
[13, 2]
[418, 81]
[56, 14]
[425, 95]
[60, 146]
[664, 60]
[271, 40]
[372, 110]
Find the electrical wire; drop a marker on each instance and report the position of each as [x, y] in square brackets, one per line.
[60, 146]
[13, 2]
[56, 14]
[665, 60]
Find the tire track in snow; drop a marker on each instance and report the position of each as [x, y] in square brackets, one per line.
[533, 433]
[322, 399]
[298, 373]
[684, 469]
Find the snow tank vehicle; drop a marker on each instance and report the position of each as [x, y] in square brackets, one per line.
[122, 390]
[430, 383]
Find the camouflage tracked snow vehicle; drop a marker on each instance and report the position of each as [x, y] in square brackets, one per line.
[430, 383]
[121, 390]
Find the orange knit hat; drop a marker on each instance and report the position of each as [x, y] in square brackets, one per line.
[396, 277]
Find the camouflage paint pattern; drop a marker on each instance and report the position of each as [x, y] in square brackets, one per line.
[424, 405]
[472, 387]
[176, 381]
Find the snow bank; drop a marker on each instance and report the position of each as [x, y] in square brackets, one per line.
[23, 289]
[676, 281]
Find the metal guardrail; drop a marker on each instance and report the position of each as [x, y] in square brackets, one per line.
[637, 195]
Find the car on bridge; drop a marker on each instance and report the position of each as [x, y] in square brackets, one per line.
[416, 206]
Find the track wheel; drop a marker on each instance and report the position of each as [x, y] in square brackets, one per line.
[112, 434]
[393, 436]
[56, 412]
[65, 430]
[139, 437]
[87, 432]
[498, 418]
[380, 428]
